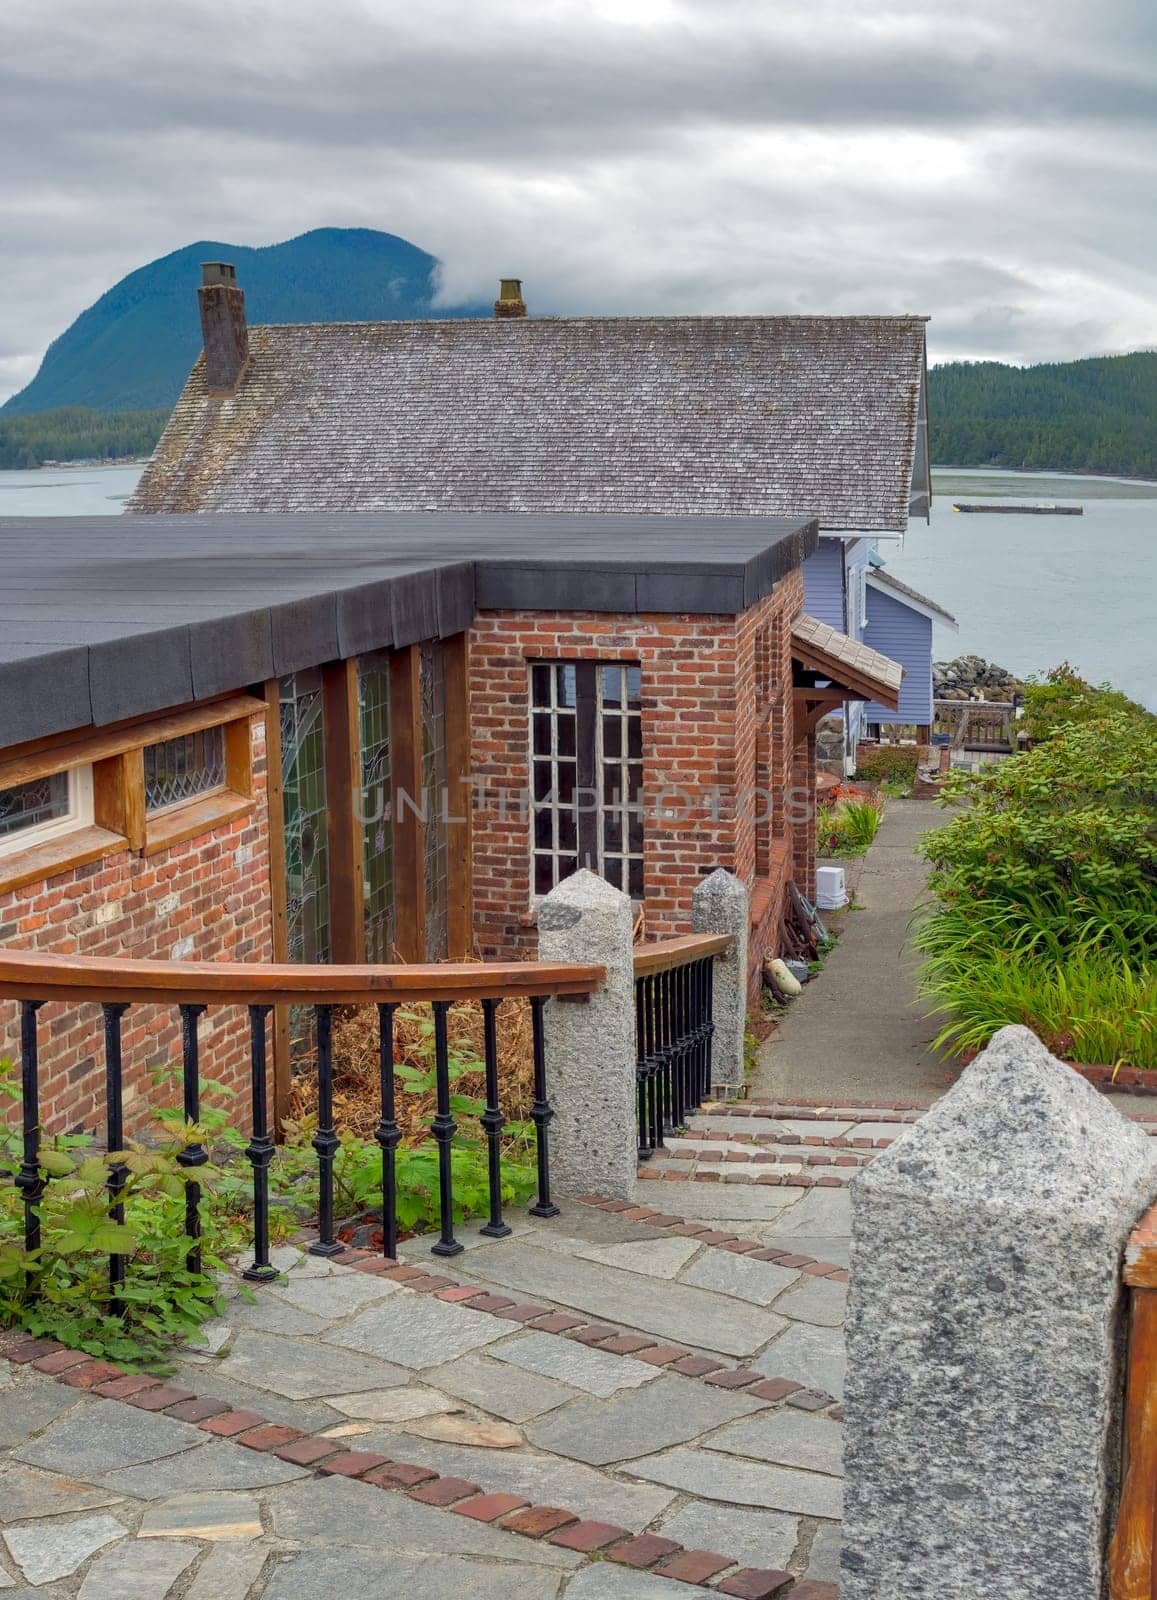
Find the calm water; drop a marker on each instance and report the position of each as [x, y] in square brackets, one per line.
[1028, 592]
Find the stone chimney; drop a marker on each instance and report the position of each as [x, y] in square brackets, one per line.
[510, 302]
[223, 327]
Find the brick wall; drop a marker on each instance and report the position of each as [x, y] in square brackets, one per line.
[716, 715]
[207, 899]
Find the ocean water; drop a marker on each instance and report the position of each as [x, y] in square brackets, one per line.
[1028, 592]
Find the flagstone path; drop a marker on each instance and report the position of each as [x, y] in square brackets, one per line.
[599, 1405]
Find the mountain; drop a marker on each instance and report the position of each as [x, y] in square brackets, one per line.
[1098, 415]
[133, 349]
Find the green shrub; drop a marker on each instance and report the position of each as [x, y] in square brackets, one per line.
[889, 763]
[848, 829]
[1044, 891]
[1063, 697]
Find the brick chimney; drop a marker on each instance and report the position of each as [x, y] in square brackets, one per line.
[510, 302]
[223, 327]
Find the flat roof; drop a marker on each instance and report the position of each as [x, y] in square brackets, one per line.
[103, 618]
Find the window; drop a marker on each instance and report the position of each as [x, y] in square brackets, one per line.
[44, 808]
[184, 769]
[432, 693]
[586, 756]
[377, 805]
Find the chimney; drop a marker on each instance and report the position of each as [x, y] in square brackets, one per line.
[510, 302]
[223, 328]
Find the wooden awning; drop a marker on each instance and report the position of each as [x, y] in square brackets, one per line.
[830, 668]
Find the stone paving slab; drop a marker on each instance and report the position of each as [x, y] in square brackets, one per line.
[738, 1202]
[812, 1356]
[593, 1371]
[340, 1296]
[820, 1211]
[103, 1435]
[316, 1509]
[671, 1411]
[28, 1492]
[53, 1549]
[673, 1311]
[745, 1127]
[824, 1562]
[29, 1408]
[345, 1574]
[203, 1516]
[418, 1331]
[608, 1582]
[653, 1258]
[136, 1570]
[755, 1538]
[760, 1282]
[229, 1572]
[212, 1382]
[713, 1477]
[216, 1466]
[489, 1384]
[817, 1300]
[302, 1371]
[788, 1438]
[268, 1315]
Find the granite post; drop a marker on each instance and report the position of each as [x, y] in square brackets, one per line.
[590, 1045]
[985, 1338]
[719, 905]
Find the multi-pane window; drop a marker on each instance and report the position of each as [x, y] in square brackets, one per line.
[303, 788]
[178, 770]
[586, 756]
[44, 807]
[432, 690]
[377, 804]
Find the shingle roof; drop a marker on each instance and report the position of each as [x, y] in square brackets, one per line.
[845, 661]
[887, 580]
[795, 416]
[102, 619]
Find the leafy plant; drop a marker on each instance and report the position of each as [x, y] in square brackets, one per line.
[849, 828]
[889, 763]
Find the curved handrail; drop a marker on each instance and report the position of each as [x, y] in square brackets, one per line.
[661, 955]
[30, 975]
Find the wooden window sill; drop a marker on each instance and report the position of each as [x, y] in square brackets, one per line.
[58, 855]
[169, 828]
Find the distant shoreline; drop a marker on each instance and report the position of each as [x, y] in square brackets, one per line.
[1050, 472]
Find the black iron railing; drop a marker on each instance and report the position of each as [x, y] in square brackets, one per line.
[674, 983]
[33, 980]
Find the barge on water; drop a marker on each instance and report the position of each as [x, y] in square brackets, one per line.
[1020, 508]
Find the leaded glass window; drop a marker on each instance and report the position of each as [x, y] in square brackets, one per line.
[586, 760]
[432, 687]
[377, 804]
[303, 786]
[178, 770]
[30, 805]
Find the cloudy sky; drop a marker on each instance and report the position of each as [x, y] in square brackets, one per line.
[988, 162]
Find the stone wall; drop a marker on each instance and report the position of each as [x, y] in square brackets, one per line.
[207, 899]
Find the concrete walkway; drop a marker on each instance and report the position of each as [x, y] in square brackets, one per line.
[859, 1032]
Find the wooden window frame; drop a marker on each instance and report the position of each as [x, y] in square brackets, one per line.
[115, 758]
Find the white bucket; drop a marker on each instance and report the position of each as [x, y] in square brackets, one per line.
[830, 891]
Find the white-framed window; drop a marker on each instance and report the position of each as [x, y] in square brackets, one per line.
[586, 771]
[184, 769]
[44, 808]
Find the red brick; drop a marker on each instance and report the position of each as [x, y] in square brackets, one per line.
[306, 1451]
[521, 1313]
[403, 1274]
[230, 1423]
[696, 1366]
[353, 1463]
[694, 1566]
[268, 1436]
[430, 1283]
[756, 1583]
[738, 1378]
[159, 1399]
[400, 1475]
[88, 1376]
[60, 1361]
[491, 1302]
[539, 1521]
[662, 1355]
[489, 1507]
[376, 1265]
[626, 1344]
[557, 1322]
[644, 1551]
[462, 1291]
[588, 1536]
[820, 1269]
[198, 1410]
[23, 1349]
[444, 1491]
[596, 1333]
[815, 1591]
[121, 1388]
[775, 1388]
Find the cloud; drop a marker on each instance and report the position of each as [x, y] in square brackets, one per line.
[987, 164]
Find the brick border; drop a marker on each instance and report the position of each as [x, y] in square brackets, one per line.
[328, 1458]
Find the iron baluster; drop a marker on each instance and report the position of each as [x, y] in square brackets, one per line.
[666, 1055]
[679, 1030]
[708, 1022]
[653, 1106]
[388, 1134]
[325, 1140]
[493, 1122]
[193, 1155]
[645, 1150]
[698, 989]
[541, 1111]
[260, 1147]
[30, 1179]
[444, 1128]
[118, 1172]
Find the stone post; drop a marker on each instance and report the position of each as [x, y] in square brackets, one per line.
[985, 1336]
[590, 1046]
[719, 905]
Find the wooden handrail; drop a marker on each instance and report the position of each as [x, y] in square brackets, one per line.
[1131, 1553]
[29, 975]
[661, 955]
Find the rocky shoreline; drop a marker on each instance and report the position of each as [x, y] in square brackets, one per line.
[974, 678]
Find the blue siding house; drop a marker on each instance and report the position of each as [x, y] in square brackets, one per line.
[900, 626]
